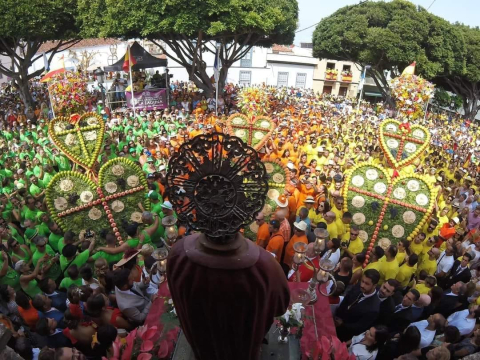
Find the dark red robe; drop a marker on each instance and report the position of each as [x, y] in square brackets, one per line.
[225, 303]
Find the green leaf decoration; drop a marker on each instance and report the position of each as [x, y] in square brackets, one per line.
[386, 209]
[78, 203]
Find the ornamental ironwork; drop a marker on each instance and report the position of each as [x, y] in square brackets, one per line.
[217, 184]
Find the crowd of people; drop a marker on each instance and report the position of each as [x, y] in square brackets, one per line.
[415, 299]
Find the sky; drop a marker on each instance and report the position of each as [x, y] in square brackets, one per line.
[312, 11]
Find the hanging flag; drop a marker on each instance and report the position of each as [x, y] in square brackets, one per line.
[216, 66]
[129, 60]
[59, 68]
[410, 69]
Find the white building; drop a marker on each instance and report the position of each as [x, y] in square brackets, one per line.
[291, 66]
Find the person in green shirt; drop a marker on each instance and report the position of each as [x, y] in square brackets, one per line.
[36, 188]
[132, 242]
[47, 174]
[19, 252]
[53, 270]
[28, 278]
[70, 257]
[29, 211]
[72, 279]
[8, 276]
[68, 238]
[151, 222]
[61, 161]
[110, 240]
[55, 237]
[43, 222]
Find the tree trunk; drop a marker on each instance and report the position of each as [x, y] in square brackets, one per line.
[471, 108]
[22, 85]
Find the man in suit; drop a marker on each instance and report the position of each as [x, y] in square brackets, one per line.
[387, 302]
[45, 310]
[59, 299]
[55, 338]
[132, 298]
[452, 300]
[402, 314]
[459, 272]
[360, 307]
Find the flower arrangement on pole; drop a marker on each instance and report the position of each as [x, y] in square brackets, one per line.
[411, 93]
[68, 93]
[293, 318]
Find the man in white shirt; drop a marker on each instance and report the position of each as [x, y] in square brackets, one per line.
[428, 328]
[465, 320]
[445, 262]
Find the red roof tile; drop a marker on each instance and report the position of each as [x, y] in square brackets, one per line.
[82, 44]
[281, 48]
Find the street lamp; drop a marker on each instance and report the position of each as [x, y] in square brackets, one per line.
[100, 74]
[160, 255]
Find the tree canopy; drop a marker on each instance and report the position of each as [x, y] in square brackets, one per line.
[464, 78]
[24, 26]
[190, 28]
[389, 36]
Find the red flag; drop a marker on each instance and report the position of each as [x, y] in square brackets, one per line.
[129, 61]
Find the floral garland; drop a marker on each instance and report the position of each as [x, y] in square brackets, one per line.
[411, 93]
[255, 131]
[395, 131]
[379, 203]
[253, 101]
[68, 93]
[82, 149]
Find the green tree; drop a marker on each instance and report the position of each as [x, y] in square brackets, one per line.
[446, 100]
[191, 28]
[27, 24]
[464, 78]
[389, 36]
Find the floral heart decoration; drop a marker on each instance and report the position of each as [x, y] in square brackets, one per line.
[402, 143]
[79, 138]
[255, 131]
[386, 209]
[278, 176]
[78, 203]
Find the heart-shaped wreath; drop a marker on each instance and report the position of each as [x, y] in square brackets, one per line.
[255, 132]
[78, 203]
[80, 138]
[386, 209]
[402, 143]
[278, 177]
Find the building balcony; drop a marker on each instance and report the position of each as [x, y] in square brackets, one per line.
[347, 78]
[330, 76]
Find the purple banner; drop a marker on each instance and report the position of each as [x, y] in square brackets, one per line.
[148, 99]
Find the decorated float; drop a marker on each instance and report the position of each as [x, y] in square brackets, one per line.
[89, 200]
[393, 203]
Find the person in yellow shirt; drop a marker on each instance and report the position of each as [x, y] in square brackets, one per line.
[375, 256]
[427, 245]
[429, 264]
[416, 246]
[431, 229]
[443, 218]
[402, 251]
[337, 208]
[389, 268]
[351, 244]
[331, 225]
[425, 285]
[406, 271]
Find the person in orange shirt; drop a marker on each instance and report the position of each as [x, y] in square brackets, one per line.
[282, 203]
[299, 236]
[263, 233]
[292, 202]
[195, 131]
[276, 243]
[306, 189]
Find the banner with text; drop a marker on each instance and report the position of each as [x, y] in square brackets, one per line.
[148, 99]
